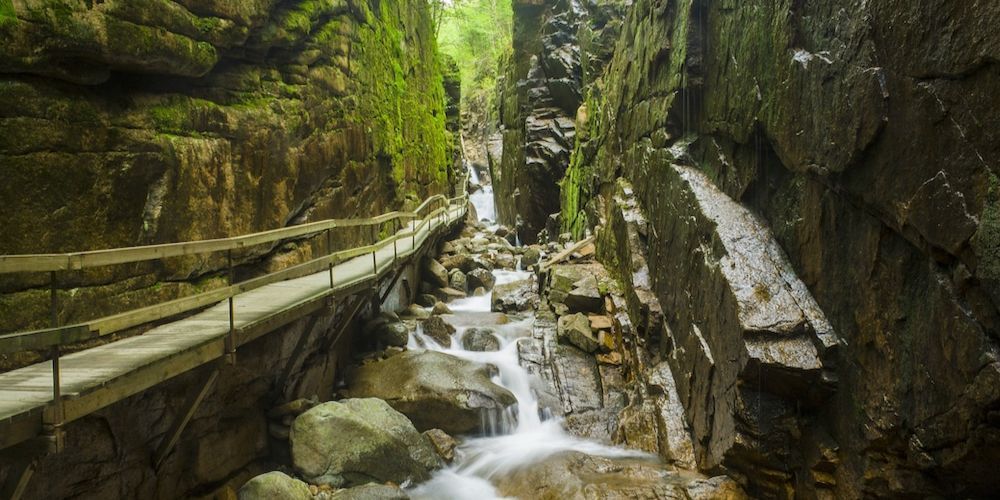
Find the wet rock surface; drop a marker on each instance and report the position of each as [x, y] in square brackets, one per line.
[838, 126]
[357, 441]
[556, 55]
[435, 390]
[274, 485]
[576, 475]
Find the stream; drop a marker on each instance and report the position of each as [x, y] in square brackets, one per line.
[525, 434]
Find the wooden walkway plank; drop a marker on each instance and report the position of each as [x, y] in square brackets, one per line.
[96, 377]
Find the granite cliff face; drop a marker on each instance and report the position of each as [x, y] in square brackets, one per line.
[126, 123]
[558, 49]
[805, 199]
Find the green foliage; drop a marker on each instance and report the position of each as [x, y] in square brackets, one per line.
[7, 14]
[476, 33]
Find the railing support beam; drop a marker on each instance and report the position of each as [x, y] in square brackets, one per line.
[174, 434]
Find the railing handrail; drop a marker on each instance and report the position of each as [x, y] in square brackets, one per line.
[61, 335]
[112, 256]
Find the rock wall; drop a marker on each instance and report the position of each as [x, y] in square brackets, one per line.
[860, 137]
[558, 47]
[177, 120]
[229, 439]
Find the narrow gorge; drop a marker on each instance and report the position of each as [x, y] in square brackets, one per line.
[476, 249]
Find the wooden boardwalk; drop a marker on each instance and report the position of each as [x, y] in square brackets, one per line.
[95, 378]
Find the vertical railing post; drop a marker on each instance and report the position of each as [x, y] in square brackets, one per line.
[329, 252]
[374, 249]
[231, 339]
[57, 403]
[395, 239]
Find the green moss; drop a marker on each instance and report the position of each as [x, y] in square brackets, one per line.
[986, 241]
[7, 14]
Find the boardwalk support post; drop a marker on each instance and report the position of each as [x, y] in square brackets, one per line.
[231, 338]
[329, 252]
[53, 423]
[174, 434]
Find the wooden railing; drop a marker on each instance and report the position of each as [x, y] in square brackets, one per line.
[57, 336]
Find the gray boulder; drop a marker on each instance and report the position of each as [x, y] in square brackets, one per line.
[480, 339]
[457, 280]
[393, 334]
[575, 329]
[438, 329]
[515, 296]
[358, 441]
[434, 272]
[435, 390]
[585, 296]
[481, 278]
[530, 257]
[371, 492]
[274, 485]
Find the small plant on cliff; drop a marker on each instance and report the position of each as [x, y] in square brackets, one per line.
[7, 14]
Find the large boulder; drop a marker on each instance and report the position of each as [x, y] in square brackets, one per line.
[433, 389]
[371, 492]
[481, 278]
[480, 339]
[585, 296]
[438, 329]
[577, 475]
[457, 280]
[434, 272]
[358, 441]
[274, 485]
[514, 296]
[530, 257]
[575, 329]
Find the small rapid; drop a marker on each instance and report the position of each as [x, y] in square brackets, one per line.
[526, 433]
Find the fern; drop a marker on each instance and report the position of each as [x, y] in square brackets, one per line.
[7, 14]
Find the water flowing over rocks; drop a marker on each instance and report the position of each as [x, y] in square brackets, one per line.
[435, 390]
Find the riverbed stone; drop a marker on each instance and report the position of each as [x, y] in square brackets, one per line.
[481, 278]
[514, 296]
[273, 485]
[443, 443]
[357, 441]
[585, 296]
[426, 300]
[371, 491]
[578, 475]
[575, 329]
[480, 339]
[434, 389]
[457, 280]
[440, 308]
[530, 257]
[392, 334]
[447, 294]
[438, 329]
[434, 272]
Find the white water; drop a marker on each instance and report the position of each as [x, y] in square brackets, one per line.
[518, 439]
[486, 208]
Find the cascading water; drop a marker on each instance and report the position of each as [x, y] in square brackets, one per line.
[482, 199]
[518, 439]
[520, 436]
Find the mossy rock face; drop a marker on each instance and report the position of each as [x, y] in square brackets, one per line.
[863, 144]
[186, 120]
